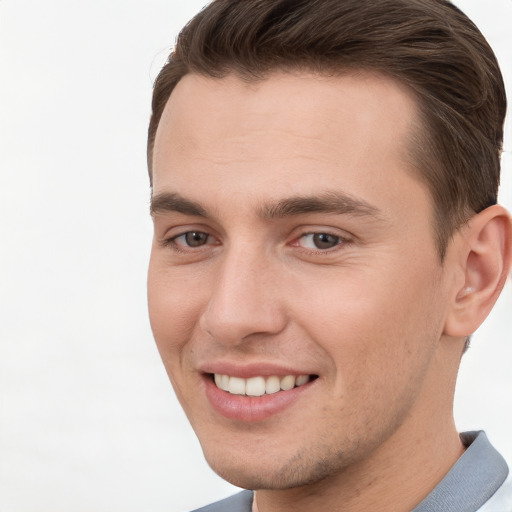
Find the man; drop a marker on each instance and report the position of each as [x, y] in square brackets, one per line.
[324, 178]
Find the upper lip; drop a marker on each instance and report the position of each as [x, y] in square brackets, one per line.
[248, 370]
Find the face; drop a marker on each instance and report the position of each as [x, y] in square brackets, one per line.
[295, 291]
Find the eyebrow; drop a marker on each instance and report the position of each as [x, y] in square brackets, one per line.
[330, 202]
[172, 202]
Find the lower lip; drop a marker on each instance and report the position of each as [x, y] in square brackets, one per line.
[251, 409]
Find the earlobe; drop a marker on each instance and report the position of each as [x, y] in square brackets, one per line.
[486, 258]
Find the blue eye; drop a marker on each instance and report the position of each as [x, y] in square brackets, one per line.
[320, 240]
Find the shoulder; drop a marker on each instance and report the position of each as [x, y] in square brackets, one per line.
[241, 502]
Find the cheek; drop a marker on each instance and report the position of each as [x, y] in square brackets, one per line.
[377, 328]
[173, 313]
[173, 309]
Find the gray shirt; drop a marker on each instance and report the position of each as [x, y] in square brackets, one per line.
[474, 483]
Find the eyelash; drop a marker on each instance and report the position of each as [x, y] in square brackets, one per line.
[184, 248]
[340, 241]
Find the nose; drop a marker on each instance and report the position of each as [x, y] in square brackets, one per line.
[245, 300]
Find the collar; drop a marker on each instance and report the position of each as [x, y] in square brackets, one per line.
[473, 479]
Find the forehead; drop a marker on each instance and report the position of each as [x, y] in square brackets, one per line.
[290, 133]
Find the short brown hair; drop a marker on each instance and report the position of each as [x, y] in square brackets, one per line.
[428, 44]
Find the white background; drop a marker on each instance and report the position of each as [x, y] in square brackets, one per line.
[88, 421]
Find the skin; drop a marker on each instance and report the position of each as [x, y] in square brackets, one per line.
[367, 316]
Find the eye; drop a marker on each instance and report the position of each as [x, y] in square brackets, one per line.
[192, 239]
[320, 241]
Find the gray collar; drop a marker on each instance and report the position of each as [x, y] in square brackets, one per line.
[473, 479]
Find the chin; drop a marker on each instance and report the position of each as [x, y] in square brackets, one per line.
[296, 471]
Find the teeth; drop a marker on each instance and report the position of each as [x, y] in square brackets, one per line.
[255, 386]
[222, 381]
[301, 380]
[287, 382]
[258, 386]
[236, 386]
[273, 385]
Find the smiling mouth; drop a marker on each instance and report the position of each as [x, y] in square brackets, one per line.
[259, 386]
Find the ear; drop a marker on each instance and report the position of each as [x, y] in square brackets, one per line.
[485, 258]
